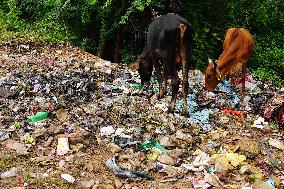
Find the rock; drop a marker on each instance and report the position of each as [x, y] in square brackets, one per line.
[249, 146]
[12, 172]
[42, 158]
[164, 158]
[68, 178]
[87, 183]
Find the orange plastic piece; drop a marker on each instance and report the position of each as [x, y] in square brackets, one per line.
[239, 114]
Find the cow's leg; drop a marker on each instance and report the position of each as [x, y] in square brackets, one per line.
[165, 82]
[172, 71]
[186, 62]
[160, 78]
[185, 86]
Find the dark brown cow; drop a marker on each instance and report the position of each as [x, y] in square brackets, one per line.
[237, 48]
[169, 42]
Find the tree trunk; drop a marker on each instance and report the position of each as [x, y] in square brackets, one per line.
[117, 47]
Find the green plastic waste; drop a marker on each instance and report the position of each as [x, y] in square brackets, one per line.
[137, 86]
[151, 145]
[38, 117]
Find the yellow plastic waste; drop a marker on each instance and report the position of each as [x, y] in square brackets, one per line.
[228, 159]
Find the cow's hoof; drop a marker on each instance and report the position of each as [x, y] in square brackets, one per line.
[161, 95]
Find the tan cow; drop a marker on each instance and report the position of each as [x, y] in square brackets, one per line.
[237, 48]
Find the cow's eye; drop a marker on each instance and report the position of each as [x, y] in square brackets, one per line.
[209, 76]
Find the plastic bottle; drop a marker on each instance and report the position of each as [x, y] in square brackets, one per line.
[38, 117]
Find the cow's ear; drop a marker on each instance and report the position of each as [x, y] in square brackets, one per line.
[134, 66]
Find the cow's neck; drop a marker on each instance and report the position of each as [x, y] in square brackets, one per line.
[224, 64]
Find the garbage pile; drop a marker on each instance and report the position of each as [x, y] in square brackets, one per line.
[69, 118]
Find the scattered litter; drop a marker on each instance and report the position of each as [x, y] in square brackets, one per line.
[199, 183]
[38, 117]
[151, 145]
[111, 164]
[199, 164]
[12, 172]
[68, 178]
[62, 108]
[202, 119]
[106, 131]
[62, 146]
[226, 161]
[276, 143]
[3, 136]
[260, 123]
[238, 114]
[225, 86]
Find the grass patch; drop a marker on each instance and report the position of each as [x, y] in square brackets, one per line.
[269, 76]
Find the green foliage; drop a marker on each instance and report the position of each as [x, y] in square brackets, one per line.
[269, 76]
[135, 5]
[31, 21]
[91, 24]
[127, 57]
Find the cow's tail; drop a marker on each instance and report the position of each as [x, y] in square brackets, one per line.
[181, 45]
[186, 43]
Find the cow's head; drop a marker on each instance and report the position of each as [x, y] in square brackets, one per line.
[144, 66]
[211, 79]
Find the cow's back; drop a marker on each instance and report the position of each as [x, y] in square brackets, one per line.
[238, 42]
[163, 32]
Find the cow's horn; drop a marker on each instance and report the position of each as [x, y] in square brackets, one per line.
[210, 61]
